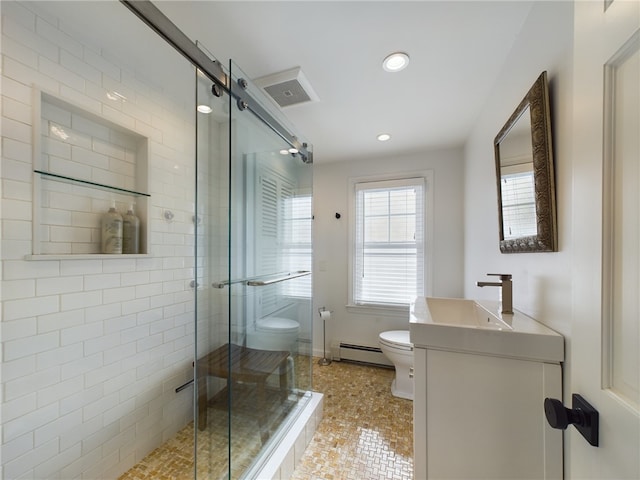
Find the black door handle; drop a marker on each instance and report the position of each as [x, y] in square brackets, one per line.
[582, 415]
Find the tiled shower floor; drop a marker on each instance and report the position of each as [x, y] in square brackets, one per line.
[365, 433]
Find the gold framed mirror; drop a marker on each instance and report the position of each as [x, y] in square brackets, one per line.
[525, 176]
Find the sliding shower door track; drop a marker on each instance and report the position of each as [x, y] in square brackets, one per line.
[163, 26]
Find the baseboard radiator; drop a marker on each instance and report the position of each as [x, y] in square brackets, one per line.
[343, 351]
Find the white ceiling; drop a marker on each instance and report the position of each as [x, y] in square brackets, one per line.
[457, 51]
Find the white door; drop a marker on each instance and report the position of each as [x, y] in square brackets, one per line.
[605, 355]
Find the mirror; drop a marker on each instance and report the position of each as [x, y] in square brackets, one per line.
[525, 176]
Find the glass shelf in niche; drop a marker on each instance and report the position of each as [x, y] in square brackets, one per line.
[66, 179]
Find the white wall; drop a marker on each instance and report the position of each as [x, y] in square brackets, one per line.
[93, 349]
[542, 281]
[331, 196]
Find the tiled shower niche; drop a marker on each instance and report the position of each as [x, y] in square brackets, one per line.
[83, 163]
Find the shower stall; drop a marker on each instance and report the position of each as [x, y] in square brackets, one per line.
[191, 358]
[253, 264]
[252, 282]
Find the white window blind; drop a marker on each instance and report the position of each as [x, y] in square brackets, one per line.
[297, 244]
[518, 204]
[388, 255]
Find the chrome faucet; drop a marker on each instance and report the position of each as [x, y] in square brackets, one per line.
[507, 289]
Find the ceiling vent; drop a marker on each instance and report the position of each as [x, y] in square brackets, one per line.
[288, 88]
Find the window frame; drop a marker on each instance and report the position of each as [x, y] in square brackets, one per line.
[391, 310]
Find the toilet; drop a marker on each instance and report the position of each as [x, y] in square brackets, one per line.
[397, 347]
[274, 333]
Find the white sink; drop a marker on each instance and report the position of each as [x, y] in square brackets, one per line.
[464, 313]
[478, 326]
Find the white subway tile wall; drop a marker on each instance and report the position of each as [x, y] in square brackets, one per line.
[92, 349]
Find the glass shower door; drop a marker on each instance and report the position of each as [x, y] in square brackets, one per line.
[211, 266]
[270, 313]
[253, 304]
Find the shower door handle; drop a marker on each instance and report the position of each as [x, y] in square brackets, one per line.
[257, 282]
[288, 276]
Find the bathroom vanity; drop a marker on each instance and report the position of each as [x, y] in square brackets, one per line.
[481, 378]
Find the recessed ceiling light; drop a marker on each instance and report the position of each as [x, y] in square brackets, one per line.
[383, 137]
[293, 150]
[395, 62]
[284, 151]
[204, 109]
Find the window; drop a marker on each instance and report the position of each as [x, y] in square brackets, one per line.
[296, 249]
[388, 251]
[283, 239]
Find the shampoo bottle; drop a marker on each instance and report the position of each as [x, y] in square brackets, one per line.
[112, 231]
[130, 232]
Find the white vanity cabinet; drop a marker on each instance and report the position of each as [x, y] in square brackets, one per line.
[478, 402]
[478, 416]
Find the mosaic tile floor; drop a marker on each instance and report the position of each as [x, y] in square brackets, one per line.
[174, 459]
[365, 434]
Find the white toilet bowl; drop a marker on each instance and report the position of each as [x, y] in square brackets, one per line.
[274, 333]
[397, 347]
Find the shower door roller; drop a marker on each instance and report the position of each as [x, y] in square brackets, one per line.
[216, 90]
[242, 104]
[582, 415]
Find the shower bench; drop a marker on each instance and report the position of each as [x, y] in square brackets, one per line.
[241, 364]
